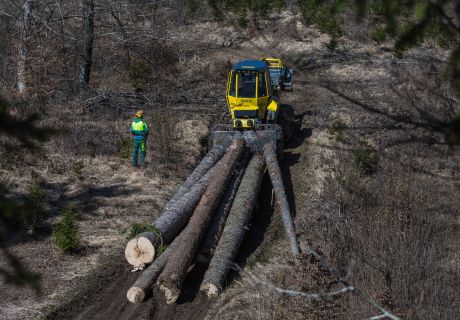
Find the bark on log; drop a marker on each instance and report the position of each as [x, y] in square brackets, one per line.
[204, 166]
[235, 227]
[171, 221]
[280, 196]
[137, 292]
[173, 276]
[220, 216]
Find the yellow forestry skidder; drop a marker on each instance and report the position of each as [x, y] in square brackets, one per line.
[254, 108]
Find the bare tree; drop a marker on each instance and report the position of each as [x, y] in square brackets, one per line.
[88, 37]
[22, 58]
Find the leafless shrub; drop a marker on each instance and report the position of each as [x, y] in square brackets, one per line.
[391, 232]
[396, 226]
[164, 134]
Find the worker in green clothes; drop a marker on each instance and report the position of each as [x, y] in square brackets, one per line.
[140, 131]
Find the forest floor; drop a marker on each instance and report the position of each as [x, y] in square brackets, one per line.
[332, 128]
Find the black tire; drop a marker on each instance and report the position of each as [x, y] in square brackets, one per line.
[287, 121]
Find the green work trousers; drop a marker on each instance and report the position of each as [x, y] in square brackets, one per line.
[139, 145]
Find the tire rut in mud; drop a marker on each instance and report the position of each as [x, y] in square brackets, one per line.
[102, 295]
[190, 305]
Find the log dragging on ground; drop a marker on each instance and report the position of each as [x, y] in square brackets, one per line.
[235, 227]
[138, 291]
[200, 170]
[220, 216]
[280, 196]
[173, 275]
[141, 249]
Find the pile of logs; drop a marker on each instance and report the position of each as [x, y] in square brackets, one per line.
[206, 220]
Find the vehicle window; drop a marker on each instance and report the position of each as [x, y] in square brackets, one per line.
[232, 85]
[262, 86]
[275, 73]
[246, 84]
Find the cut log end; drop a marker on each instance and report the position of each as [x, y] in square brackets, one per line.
[210, 290]
[135, 295]
[139, 250]
[170, 295]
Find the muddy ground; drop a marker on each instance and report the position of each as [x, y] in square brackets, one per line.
[98, 289]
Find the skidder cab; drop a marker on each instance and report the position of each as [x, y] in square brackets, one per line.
[254, 111]
[250, 96]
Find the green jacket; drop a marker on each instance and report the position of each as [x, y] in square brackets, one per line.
[139, 129]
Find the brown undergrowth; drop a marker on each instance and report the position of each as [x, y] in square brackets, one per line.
[392, 223]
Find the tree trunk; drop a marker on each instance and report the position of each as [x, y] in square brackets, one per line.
[204, 166]
[137, 292]
[235, 227]
[88, 37]
[218, 221]
[173, 275]
[169, 224]
[22, 58]
[280, 196]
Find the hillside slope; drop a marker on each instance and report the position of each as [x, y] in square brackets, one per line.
[371, 191]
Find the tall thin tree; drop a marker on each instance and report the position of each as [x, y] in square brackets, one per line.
[22, 57]
[88, 37]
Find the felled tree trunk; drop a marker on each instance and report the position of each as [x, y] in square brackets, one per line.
[141, 249]
[138, 291]
[218, 220]
[173, 276]
[235, 227]
[280, 196]
[206, 163]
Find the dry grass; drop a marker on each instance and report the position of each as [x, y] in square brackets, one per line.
[396, 235]
[393, 231]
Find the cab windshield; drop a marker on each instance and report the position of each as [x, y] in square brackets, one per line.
[247, 84]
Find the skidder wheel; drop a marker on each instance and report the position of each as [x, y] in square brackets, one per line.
[286, 121]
